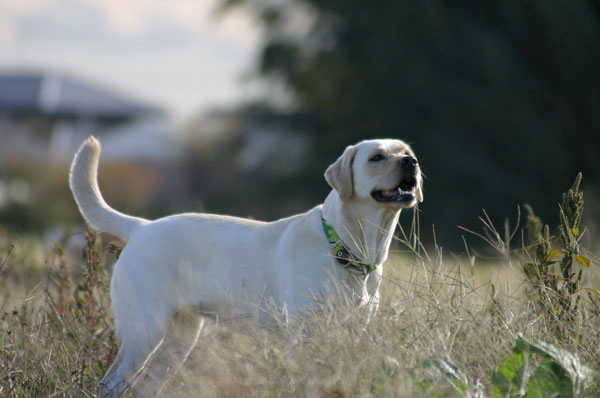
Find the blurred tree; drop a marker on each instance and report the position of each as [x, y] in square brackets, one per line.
[501, 100]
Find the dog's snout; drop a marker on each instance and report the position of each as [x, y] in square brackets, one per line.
[409, 162]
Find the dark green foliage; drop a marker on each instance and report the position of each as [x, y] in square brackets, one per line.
[20, 218]
[538, 369]
[531, 370]
[499, 98]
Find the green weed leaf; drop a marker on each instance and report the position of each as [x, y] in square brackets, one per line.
[507, 379]
[580, 375]
[583, 260]
[549, 378]
[552, 255]
[560, 372]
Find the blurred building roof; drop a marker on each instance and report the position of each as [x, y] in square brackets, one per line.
[57, 94]
[143, 139]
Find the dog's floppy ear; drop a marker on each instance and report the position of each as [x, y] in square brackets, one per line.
[339, 174]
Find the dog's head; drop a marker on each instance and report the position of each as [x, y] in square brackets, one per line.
[383, 171]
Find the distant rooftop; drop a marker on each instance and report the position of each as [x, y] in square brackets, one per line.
[57, 94]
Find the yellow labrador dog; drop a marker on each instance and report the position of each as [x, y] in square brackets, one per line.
[225, 266]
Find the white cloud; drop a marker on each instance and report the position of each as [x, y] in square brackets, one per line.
[7, 33]
[132, 18]
[175, 53]
[17, 7]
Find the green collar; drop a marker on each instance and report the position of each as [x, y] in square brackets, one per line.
[342, 254]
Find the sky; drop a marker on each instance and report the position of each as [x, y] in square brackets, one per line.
[178, 54]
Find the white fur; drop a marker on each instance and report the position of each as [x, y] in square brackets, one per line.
[227, 266]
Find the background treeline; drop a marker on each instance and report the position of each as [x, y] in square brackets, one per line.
[501, 100]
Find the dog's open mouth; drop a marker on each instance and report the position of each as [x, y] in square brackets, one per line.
[403, 194]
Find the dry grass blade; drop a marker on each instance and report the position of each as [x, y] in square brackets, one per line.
[4, 265]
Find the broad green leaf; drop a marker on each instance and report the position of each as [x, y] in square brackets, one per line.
[550, 379]
[556, 362]
[507, 379]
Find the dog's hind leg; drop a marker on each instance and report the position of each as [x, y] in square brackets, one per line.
[180, 338]
[140, 336]
[131, 357]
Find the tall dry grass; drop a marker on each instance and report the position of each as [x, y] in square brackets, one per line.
[444, 325]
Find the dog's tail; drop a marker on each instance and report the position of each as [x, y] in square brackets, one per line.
[83, 180]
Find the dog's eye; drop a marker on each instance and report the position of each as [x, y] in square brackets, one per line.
[377, 158]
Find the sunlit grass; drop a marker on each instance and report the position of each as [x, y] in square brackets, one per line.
[444, 326]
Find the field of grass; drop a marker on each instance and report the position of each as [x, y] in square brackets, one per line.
[447, 327]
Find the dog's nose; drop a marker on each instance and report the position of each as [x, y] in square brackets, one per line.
[409, 162]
